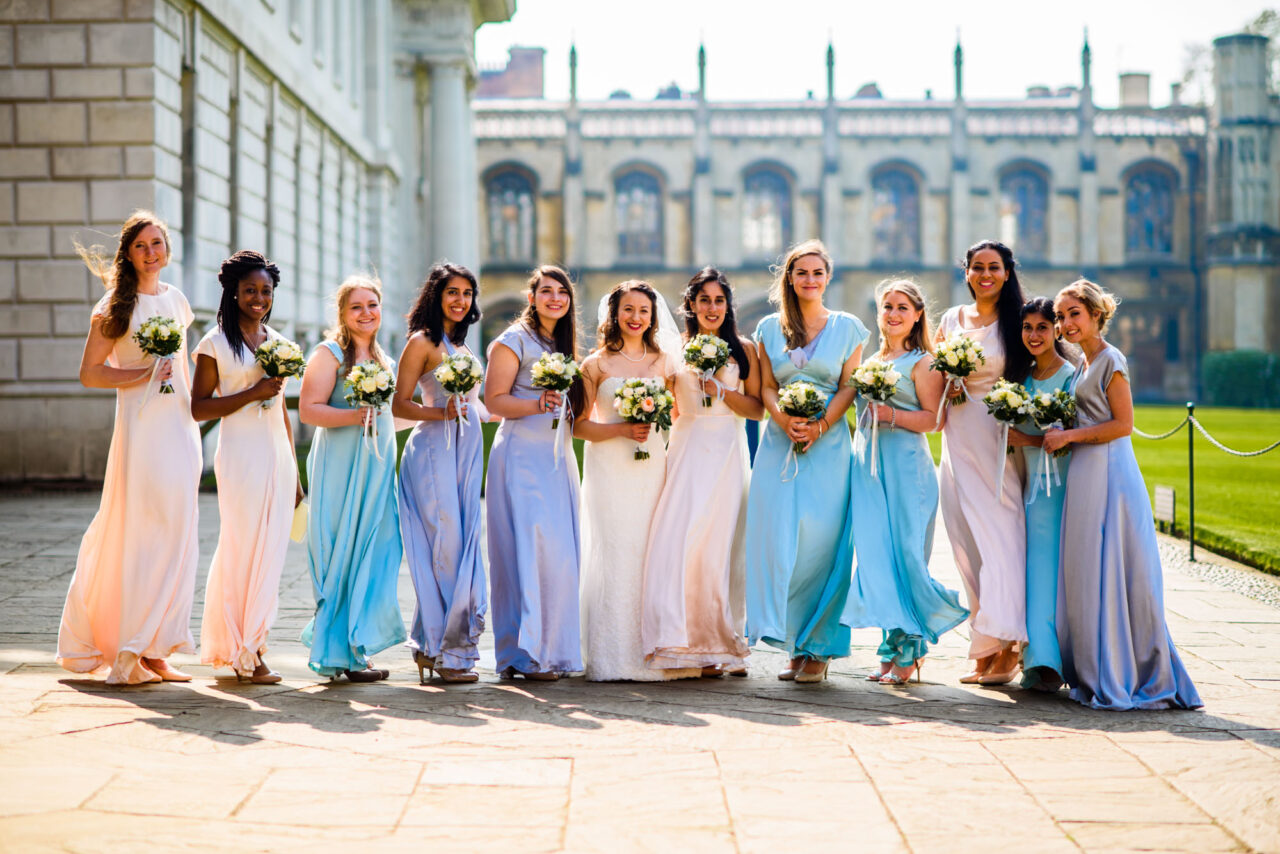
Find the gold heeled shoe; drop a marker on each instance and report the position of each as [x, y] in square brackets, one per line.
[457, 677]
[161, 668]
[788, 673]
[425, 663]
[808, 677]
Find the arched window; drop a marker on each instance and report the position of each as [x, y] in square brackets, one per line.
[1148, 212]
[1024, 213]
[895, 216]
[509, 195]
[639, 216]
[766, 213]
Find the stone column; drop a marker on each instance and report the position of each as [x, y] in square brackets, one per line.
[453, 181]
[701, 198]
[575, 202]
[960, 213]
[832, 224]
[1088, 229]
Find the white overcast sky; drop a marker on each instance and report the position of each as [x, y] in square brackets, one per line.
[775, 49]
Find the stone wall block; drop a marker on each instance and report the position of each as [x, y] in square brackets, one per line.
[6, 45]
[51, 44]
[25, 320]
[8, 279]
[87, 83]
[6, 124]
[6, 201]
[70, 320]
[24, 163]
[95, 413]
[121, 44]
[141, 83]
[48, 359]
[168, 129]
[122, 122]
[24, 242]
[24, 10]
[140, 162]
[43, 123]
[8, 364]
[51, 201]
[53, 281]
[83, 10]
[24, 84]
[167, 166]
[104, 162]
[54, 454]
[113, 201]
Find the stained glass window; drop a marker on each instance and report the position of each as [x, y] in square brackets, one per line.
[639, 216]
[895, 216]
[1024, 214]
[766, 214]
[1148, 213]
[511, 217]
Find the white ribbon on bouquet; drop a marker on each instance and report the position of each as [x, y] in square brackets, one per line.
[709, 376]
[860, 441]
[1047, 468]
[151, 381]
[952, 382]
[459, 403]
[369, 429]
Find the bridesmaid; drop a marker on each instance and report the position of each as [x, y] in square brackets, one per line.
[129, 604]
[1051, 370]
[1116, 650]
[694, 605]
[799, 538]
[987, 534]
[353, 535]
[255, 465]
[532, 498]
[894, 522]
[441, 472]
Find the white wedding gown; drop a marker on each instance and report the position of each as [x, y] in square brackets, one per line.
[619, 494]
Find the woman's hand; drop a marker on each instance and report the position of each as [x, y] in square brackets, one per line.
[1055, 440]
[452, 411]
[548, 401]
[364, 416]
[1018, 439]
[634, 432]
[954, 390]
[164, 372]
[266, 388]
[805, 432]
[883, 413]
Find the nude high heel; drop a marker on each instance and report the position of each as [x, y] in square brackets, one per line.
[806, 677]
[425, 663]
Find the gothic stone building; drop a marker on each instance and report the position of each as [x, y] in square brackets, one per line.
[1175, 208]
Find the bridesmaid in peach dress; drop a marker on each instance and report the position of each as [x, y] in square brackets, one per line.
[256, 468]
[129, 605]
[694, 605]
[988, 534]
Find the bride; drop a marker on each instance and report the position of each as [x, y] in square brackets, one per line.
[619, 492]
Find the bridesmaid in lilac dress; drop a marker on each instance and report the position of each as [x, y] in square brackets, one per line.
[1116, 650]
[440, 477]
[532, 492]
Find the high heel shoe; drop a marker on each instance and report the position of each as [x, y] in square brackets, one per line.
[425, 663]
[980, 666]
[713, 672]
[161, 668]
[892, 678]
[457, 677]
[808, 677]
[788, 674]
[1001, 677]
[877, 675]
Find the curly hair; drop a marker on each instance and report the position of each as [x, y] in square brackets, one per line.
[427, 313]
[1095, 299]
[117, 272]
[230, 275]
[564, 337]
[609, 334]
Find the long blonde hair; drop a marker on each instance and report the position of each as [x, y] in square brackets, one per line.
[921, 335]
[340, 334]
[783, 294]
[1093, 297]
[117, 271]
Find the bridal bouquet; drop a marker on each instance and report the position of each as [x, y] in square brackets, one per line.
[554, 371]
[957, 357]
[369, 384]
[279, 358]
[644, 400]
[1055, 409]
[1008, 403]
[161, 337]
[876, 381]
[800, 399]
[458, 374]
[707, 354]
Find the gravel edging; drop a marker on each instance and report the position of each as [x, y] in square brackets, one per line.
[1220, 572]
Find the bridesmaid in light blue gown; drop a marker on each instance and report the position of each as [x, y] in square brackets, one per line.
[440, 478]
[1116, 650]
[799, 542]
[353, 530]
[1050, 371]
[896, 508]
[533, 495]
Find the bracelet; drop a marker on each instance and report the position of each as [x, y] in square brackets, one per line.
[822, 426]
[893, 418]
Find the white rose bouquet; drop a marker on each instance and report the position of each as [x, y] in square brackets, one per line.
[1008, 403]
[458, 374]
[957, 357]
[800, 399]
[707, 354]
[644, 400]
[369, 384]
[279, 358]
[1051, 410]
[554, 371]
[876, 381]
[160, 337]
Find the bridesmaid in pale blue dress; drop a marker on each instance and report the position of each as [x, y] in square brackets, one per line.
[893, 522]
[440, 478]
[1051, 370]
[533, 496]
[353, 530]
[799, 542]
[1116, 650]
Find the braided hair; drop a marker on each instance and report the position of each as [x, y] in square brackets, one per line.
[233, 271]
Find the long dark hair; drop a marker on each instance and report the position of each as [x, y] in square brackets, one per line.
[609, 333]
[728, 327]
[117, 272]
[427, 314]
[1043, 306]
[232, 272]
[564, 337]
[1017, 361]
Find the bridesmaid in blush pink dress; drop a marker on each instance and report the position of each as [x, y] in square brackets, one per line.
[987, 533]
[694, 601]
[129, 605]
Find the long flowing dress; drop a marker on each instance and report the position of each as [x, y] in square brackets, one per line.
[353, 541]
[799, 531]
[893, 529]
[532, 531]
[441, 471]
[131, 594]
[1116, 649]
[988, 534]
[1041, 661]
[694, 600]
[257, 475]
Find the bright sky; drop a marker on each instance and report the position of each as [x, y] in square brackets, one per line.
[775, 49]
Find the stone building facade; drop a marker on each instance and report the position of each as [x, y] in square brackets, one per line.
[330, 134]
[1175, 208]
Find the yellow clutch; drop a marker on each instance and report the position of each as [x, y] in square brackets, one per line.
[299, 529]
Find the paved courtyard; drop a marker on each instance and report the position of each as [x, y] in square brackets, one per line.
[729, 765]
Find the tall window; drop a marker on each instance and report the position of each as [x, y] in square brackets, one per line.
[766, 214]
[1024, 214]
[1148, 213]
[895, 216]
[639, 216]
[511, 223]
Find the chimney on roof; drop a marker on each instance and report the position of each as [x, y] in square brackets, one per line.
[1175, 94]
[1135, 90]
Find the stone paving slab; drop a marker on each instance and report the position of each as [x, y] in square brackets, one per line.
[735, 765]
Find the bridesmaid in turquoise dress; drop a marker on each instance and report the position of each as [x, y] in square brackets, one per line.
[353, 530]
[1050, 371]
[1116, 650]
[894, 520]
[799, 542]
[533, 497]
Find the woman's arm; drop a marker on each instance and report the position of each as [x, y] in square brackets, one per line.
[318, 381]
[96, 373]
[837, 406]
[1120, 399]
[500, 378]
[596, 431]
[928, 384]
[418, 357]
[206, 407]
[745, 403]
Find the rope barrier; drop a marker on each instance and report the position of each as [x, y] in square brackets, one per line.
[1181, 424]
[1222, 447]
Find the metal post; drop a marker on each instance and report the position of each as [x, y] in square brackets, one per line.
[1191, 478]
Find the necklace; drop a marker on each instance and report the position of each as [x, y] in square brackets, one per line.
[643, 356]
[1053, 369]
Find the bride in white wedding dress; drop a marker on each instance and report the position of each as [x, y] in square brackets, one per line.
[619, 492]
